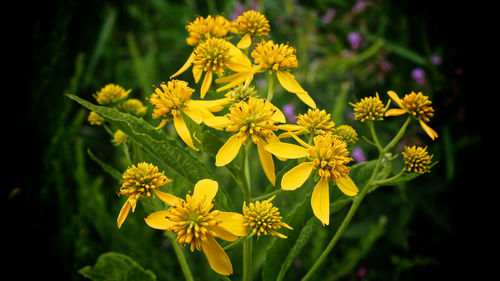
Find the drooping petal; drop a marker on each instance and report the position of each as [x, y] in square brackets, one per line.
[233, 223]
[395, 98]
[245, 42]
[395, 112]
[197, 72]
[228, 151]
[287, 80]
[347, 186]
[185, 67]
[234, 80]
[169, 199]
[278, 116]
[205, 188]
[320, 201]
[210, 105]
[217, 258]
[297, 176]
[183, 132]
[159, 220]
[218, 122]
[238, 56]
[223, 234]
[266, 161]
[430, 132]
[123, 213]
[207, 81]
[286, 150]
[197, 114]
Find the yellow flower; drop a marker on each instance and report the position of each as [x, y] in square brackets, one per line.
[174, 98]
[213, 56]
[119, 137]
[141, 180]
[204, 28]
[280, 59]
[314, 122]
[369, 108]
[347, 134]
[256, 119]
[263, 218]
[95, 119]
[250, 23]
[134, 107]
[328, 156]
[197, 225]
[417, 159]
[418, 106]
[111, 94]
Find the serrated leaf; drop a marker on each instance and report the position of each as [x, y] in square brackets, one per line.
[116, 267]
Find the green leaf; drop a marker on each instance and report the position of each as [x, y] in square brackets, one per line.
[360, 173]
[116, 267]
[110, 170]
[166, 151]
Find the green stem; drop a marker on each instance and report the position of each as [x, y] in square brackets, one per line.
[270, 89]
[180, 256]
[267, 195]
[374, 136]
[233, 244]
[247, 243]
[399, 135]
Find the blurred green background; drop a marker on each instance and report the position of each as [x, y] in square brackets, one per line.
[61, 207]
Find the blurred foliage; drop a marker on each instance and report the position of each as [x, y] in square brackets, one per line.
[62, 205]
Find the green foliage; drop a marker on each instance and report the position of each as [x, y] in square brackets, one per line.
[116, 267]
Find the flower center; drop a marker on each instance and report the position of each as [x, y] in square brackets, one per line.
[419, 106]
[417, 159]
[252, 22]
[212, 55]
[369, 108]
[263, 218]
[274, 57]
[316, 121]
[170, 98]
[210, 27]
[141, 180]
[330, 156]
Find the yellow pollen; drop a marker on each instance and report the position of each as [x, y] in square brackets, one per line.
[212, 55]
[271, 56]
[417, 159]
[369, 109]
[419, 106]
[141, 179]
[316, 122]
[251, 22]
[204, 28]
[330, 156]
[263, 218]
[111, 94]
[169, 98]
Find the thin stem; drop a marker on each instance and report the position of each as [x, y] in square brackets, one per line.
[374, 136]
[180, 256]
[399, 135]
[233, 244]
[247, 243]
[270, 89]
[267, 195]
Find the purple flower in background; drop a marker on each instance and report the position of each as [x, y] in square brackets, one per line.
[289, 112]
[358, 154]
[360, 6]
[355, 40]
[419, 75]
[362, 272]
[239, 9]
[330, 13]
[436, 60]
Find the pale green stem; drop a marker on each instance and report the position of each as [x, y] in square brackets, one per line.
[399, 135]
[180, 256]
[374, 136]
[266, 196]
[247, 243]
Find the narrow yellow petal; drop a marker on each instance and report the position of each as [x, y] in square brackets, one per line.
[287, 80]
[266, 161]
[210, 105]
[218, 122]
[395, 112]
[205, 188]
[234, 80]
[169, 199]
[183, 132]
[207, 81]
[233, 223]
[430, 132]
[123, 213]
[185, 67]
[320, 201]
[395, 98]
[347, 186]
[228, 151]
[158, 220]
[217, 258]
[278, 116]
[245, 42]
[286, 150]
[238, 56]
[223, 234]
[297, 176]
[197, 72]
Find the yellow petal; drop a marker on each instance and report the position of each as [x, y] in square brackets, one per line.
[158, 220]
[234, 80]
[169, 199]
[287, 80]
[238, 56]
[278, 116]
[320, 201]
[197, 72]
[223, 234]
[205, 188]
[430, 132]
[218, 122]
[233, 223]
[286, 150]
[347, 186]
[183, 132]
[210, 105]
[123, 213]
[395, 112]
[395, 98]
[217, 258]
[228, 151]
[290, 127]
[297, 176]
[185, 67]
[266, 161]
[207, 81]
[245, 42]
